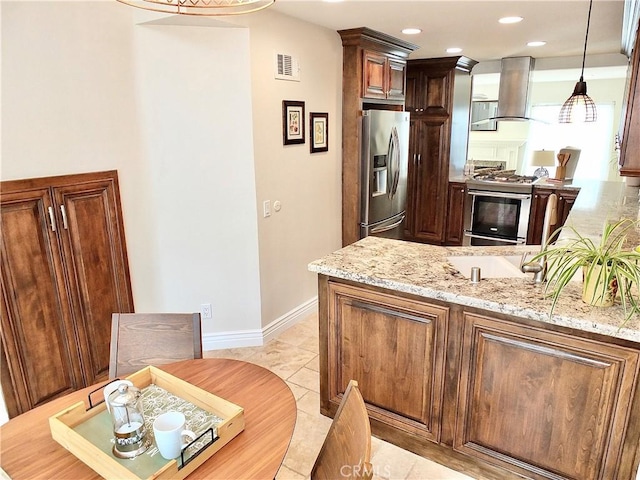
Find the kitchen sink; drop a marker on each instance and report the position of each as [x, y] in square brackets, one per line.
[491, 266]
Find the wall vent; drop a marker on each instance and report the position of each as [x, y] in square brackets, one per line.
[287, 67]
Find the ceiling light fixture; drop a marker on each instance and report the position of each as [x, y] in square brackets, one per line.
[210, 8]
[510, 19]
[536, 44]
[454, 50]
[579, 107]
[411, 31]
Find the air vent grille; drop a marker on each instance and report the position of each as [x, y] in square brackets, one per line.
[287, 67]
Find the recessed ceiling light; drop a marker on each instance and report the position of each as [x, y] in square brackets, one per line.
[332, 1]
[536, 44]
[454, 50]
[510, 19]
[411, 31]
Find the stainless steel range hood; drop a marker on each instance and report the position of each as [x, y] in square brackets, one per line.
[514, 89]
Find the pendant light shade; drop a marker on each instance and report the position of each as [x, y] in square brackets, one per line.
[579, 107]
[210, 8]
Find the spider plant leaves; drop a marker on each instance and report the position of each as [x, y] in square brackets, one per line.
[620, 266]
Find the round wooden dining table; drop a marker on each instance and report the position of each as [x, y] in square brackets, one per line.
[27, 450]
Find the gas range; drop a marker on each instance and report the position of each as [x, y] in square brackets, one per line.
[502, 181]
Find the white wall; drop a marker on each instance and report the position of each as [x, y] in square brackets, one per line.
[190, 116]
[307, 185]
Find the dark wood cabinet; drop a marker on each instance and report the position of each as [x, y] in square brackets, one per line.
[373, 77]
[492, 395]
[540, 197]
[630, 124]
[383, 77]
[455, 213]
[394, 349]
[438, 98]
[557, 410]
[64, 272]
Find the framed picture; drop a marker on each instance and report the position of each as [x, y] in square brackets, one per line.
[319, 131]
[292, 122]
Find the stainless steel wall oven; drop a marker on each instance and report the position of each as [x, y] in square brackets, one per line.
[497, 214]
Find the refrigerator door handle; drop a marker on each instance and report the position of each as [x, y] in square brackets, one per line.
[393, 164]
[387, 227]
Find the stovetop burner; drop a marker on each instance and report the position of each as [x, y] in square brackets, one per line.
[502, 180]
[507, 176]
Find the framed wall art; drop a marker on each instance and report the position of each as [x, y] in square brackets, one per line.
[319, 131]
[292, 122]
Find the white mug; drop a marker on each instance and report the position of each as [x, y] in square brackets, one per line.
[168, 430]
[112, 387]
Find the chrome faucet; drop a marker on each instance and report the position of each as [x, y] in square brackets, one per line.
[539, 269]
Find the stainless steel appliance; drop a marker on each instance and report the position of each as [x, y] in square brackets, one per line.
[384, 156]
[499, 208]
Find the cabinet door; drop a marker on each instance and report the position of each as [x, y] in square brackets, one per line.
[540, 403]
[40, 349]
[536, 217]
[394, 348]
[455, 213]
[374, 75]
[396, 73]
[630, 124]
[431, 179]
[95, 257]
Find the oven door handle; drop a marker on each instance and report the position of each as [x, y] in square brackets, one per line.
[485, 193]
[467, 233]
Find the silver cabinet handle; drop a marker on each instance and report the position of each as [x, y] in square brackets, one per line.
[52, 219]
[419, 158]
[64, 217]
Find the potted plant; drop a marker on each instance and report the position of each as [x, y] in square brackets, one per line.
[608, 267]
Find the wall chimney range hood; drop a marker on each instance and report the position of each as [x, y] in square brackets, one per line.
[514, 90]
[513, 93]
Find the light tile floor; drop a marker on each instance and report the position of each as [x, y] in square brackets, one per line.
[293, 355]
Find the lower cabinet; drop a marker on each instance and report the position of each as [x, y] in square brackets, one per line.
[566, 199]
[487, 394]
[454, 233]
[394, 349]
[542, 403]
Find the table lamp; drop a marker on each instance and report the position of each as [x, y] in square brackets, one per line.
[541, 159]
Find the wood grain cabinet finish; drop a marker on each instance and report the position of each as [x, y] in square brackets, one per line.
[630, 124]
[373, 77]
[438, 98]
[64, 272]
[455, 213]
[566, 200]
[383, 77]
[394, 349]
[494, 396]
[545, 405]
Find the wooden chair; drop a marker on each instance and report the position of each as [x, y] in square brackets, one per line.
[346, 452]
[141, 339]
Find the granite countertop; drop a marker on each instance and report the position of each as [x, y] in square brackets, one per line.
[423, 270]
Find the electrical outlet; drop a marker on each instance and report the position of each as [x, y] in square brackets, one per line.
[266, 208]
[205, 310]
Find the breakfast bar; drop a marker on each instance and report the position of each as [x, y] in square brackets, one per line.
[480, 376]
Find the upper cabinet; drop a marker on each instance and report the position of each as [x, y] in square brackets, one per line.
[630, 126]
[373, 76]
[383, 76]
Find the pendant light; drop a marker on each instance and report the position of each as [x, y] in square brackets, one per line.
[579, 107]
[210, 8]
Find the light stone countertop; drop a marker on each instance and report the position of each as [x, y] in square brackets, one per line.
[423, 270]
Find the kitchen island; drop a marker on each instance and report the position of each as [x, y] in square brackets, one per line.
[479, 376]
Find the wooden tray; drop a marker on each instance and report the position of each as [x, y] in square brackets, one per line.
[69, 428]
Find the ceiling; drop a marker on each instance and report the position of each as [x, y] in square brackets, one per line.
[473, 24]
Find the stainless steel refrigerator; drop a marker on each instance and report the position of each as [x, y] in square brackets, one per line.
[384, 156]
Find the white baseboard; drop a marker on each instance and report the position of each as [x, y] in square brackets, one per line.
[258, 337]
